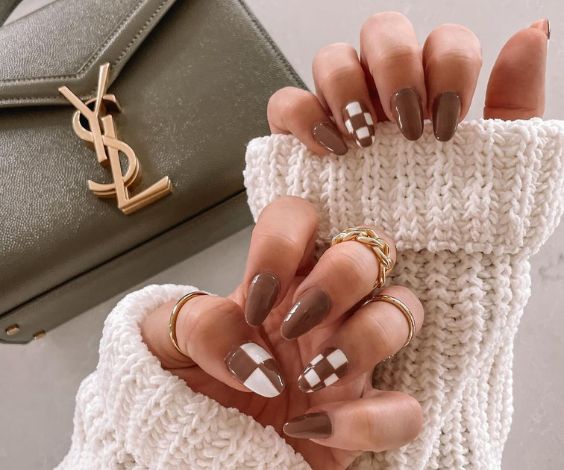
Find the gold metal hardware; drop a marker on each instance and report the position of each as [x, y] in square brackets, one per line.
[101, 134]
[12, 329]
[39, 334]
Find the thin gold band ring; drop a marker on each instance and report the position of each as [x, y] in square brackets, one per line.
[174, 316]
[404, 309]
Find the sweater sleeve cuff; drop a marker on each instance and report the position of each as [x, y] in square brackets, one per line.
[130, 410]
[496, 187]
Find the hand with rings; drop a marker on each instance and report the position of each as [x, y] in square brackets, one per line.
[304, 336]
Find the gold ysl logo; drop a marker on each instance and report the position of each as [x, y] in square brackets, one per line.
[101, 134]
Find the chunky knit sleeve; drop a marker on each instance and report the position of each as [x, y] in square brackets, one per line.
[466, 216]
[130, 413]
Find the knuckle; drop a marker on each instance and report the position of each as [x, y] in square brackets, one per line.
[332, 51]
[380, 332]
[399, 54]
[201, 323]
[279, 243]
[336, 74]
[354, 262]
[287, 102]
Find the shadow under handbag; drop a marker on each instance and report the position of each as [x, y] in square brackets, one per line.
[170, 91]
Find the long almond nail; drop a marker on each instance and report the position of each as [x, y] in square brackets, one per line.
[256, 369]
[309, 426]
[329, 136]
[323, 370]
[310, 309]
[359, 123]
[263, 293]
[446, 111]
[408, 111]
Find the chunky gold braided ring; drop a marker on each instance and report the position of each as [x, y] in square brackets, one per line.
[379, 247]
[401, 307]
[174, 316]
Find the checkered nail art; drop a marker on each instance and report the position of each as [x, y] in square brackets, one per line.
[256, 369]
[359, 123]
[323, 370]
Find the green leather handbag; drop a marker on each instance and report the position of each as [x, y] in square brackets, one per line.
[192, 80]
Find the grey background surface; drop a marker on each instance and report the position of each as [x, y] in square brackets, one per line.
[39, 380]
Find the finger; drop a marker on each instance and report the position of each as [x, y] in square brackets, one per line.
[385, 421]
[282, 241]
[340, 84]
[298, 112]
[517, 82]
[212, 334]
[344, 274]
[391, 53]
[452, 58]
[376, 331]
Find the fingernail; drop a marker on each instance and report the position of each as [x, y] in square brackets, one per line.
[543, 25]
[310, 309]
[446, 110]
[359, 123]
[323, 370]
[263, 292]
[309, 426]
[407, 109]
[256, 369]
[329, 136]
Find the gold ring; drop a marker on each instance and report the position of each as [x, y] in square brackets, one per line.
[400, 306]
[174, 316]
[379, 247]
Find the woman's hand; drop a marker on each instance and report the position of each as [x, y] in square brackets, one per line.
[325, 318]
[395, 79]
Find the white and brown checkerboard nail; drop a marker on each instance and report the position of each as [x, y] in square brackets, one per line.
[323, 370]
[256, 369]
[359, 123]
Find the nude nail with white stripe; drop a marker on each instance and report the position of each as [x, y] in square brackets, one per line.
[359, 123]
[256, 369]
[323, 370]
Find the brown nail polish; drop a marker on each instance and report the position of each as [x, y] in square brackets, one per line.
[309, 310]
[547, 29]
[256, 369]
[323, 370]
[407, 109]
[263, 293]
[359, 123]
[446, 111]
[329, 136]
[309, 426]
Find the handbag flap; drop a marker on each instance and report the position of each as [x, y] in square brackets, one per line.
[65, 42]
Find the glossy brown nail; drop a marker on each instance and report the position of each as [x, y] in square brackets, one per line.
[323, 370]
[309, 426]
[263, 292]
[408, 111]
[359, 123]
[309, 310]
[329, 136]
[446, 111]
[256, 369]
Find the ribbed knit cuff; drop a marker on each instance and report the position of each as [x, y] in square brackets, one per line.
[132, 413]
[496, 187]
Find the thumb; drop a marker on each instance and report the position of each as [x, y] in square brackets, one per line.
[516, 86]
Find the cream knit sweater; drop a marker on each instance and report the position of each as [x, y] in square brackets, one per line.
[466, 215]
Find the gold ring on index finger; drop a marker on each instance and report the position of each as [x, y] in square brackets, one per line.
[377, 244]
